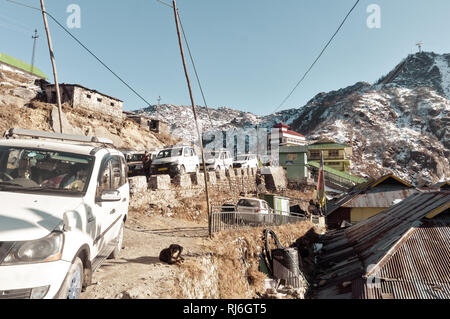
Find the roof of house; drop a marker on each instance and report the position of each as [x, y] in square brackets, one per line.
[375, 193]
[85, 88]
[18, 64]
[404, 247]
[281, 125]
[336, 172]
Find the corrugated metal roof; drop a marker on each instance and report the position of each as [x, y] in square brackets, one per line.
[395, 232]
[380, 192]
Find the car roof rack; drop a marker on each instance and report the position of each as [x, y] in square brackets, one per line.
[11, 133]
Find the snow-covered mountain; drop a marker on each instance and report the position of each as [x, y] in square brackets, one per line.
[398, 124]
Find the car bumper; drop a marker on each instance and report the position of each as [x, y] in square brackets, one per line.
[18, 282]
[164, 169]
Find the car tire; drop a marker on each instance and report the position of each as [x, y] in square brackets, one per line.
[72, 285]
[116, 252]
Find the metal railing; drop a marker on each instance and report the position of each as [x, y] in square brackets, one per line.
[227, 218]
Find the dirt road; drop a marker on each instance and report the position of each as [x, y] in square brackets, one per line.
[139, 273]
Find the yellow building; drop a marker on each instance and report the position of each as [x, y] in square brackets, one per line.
[367, 200]
[335, 155]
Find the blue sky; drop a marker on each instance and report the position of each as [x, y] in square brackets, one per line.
[249, 53]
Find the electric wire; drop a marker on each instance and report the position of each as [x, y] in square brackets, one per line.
[85, 47]
[318, 57]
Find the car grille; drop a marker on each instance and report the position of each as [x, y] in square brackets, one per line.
[15, 294]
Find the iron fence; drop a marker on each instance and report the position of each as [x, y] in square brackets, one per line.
[228, 218]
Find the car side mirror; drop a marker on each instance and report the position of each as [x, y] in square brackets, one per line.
[110, 196]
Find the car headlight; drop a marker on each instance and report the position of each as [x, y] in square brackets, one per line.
[37, 251]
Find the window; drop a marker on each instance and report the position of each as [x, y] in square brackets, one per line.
[112, 177]
[314, 154]
[333, 153]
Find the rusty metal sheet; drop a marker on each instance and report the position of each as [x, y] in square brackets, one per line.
[403, 243]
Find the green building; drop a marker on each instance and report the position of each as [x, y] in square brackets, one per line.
[294, 159]
[20, 65]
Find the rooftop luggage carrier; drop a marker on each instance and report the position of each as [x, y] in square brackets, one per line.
[13, 132]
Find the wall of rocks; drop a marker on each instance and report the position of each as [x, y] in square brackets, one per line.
[239, 180]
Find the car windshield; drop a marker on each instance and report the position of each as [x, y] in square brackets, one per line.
[211, 155]
[23, 169]
[135, 157]
[248, 203]
[242, 158]
[170, 153]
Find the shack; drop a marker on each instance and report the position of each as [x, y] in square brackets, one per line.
[366, 200]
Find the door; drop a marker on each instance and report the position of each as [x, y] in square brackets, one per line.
[110, 212]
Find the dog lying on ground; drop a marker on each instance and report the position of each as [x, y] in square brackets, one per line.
[172, 255]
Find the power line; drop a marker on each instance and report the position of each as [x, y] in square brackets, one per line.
[195, 70]
[192, 61]
[86, 48]
[317, 59]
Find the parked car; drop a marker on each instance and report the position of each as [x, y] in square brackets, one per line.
[175, 160]
[246, 161]
[64, 205]
[253, 210]
[218, 160]
[134, 162]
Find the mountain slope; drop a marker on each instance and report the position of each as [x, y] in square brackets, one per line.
[399, 124]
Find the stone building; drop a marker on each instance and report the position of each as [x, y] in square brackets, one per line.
[152, 124]
[78, 96]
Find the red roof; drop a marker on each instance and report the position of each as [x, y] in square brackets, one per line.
[281, 125]
[294, 133]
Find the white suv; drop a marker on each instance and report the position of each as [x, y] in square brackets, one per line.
[218, 160]
[64, 205]
[246, 161]
[175, 160]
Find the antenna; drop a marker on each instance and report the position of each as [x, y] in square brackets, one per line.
[419, 44]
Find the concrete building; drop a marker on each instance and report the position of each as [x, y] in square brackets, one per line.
[294, 160]
[288, 137]
[152, 124]
[335, 155]
[78, 96]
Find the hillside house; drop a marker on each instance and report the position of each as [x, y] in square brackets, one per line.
[288, 137]
[10, 63]
[367, 200]
[79, 97]
[401, 253]
[335, 155]
[294, 160]
[151, 124]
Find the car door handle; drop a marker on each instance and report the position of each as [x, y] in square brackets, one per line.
[112, 211]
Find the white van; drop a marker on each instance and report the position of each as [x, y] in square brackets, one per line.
[218, 160]
[64, 205]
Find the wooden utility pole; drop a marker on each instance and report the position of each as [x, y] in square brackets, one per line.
[34, 37]
[195, 114]
[52, 58]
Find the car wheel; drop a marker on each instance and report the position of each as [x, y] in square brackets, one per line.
[71, 287]
[116, 252]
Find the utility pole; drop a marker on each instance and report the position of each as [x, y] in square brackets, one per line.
[180, 42]
[34, 37]
[52, 58]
